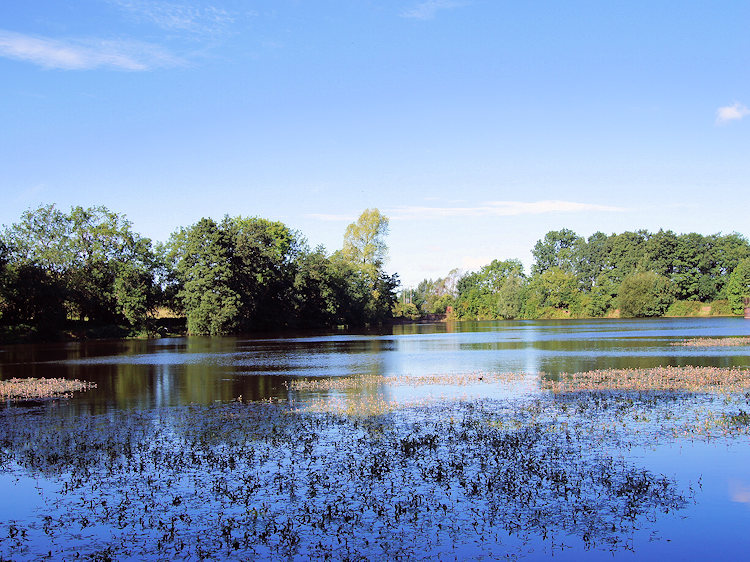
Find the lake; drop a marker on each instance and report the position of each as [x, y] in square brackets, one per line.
[417, 441]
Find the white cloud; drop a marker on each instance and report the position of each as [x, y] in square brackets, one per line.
[427, 10]
[171, 16]
[729, 113]
[499, 209]
[84, 54]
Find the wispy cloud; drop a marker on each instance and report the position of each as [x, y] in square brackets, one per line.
[29, 193]
[331, 217]
[498, 209]
[733, 112]
[84, 54]
[179, 17]
[427, 10]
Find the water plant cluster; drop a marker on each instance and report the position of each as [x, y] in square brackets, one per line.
[38, 388]
[361, 381]
[713, 342]
[689, 378]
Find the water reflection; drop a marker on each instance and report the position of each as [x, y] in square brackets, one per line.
[172, 371]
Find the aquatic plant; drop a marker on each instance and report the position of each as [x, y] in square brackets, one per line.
[713, 342]
[261, 481]
[362, 381]
[668, 378]
[36, 389]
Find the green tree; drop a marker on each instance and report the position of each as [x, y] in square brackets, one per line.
[738, 286]
[202, 255]
[645, 294]
[264, 260]
[319, 291]
[364, 240]
[627, 254]
[591, 259]
[556, 249]
[76, 256]
[362, 258]
[660, 249]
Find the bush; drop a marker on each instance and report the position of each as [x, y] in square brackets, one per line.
[406, 310]
[644, 295]
[685, 308]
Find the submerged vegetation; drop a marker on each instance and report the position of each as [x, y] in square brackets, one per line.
[255, 480]
[676, 379]
[542, 472]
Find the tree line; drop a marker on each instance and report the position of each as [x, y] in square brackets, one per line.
[87, 269]
[635, 274]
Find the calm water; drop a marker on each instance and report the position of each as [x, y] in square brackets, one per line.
[65, 464]
[174, 371]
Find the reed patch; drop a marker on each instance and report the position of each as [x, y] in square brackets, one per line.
[38, 389]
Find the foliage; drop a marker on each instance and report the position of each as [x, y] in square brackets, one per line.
[247, 274]
[685, 308]
[82, 264]
[645, 294]
[364, 240]
[492, 292]
[738, 286]
[556, 249]
[406, 310]
[88, 271]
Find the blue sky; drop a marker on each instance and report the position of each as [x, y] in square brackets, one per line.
[475, 125]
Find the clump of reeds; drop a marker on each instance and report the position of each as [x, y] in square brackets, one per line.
[36, 389]
[685, 379]
[362, 407]
[454, 379]
[713, 342]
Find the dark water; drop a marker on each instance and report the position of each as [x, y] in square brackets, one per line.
[161, 461]
[174, 371]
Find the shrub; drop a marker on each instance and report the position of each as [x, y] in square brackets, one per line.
[645, 294]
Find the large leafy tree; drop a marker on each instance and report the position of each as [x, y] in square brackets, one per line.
[76, 264]
[556, 249]
[492, 292]
[235, 275]
[364, 240]
[738, 286]
[202, 258]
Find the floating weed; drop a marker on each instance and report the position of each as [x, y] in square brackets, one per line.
[676, 379]
[713, 342]
[364, 381]
[36, 389]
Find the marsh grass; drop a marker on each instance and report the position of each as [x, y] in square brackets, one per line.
[37, 389]
[365, 381]
[713, 342]
[675, 379]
